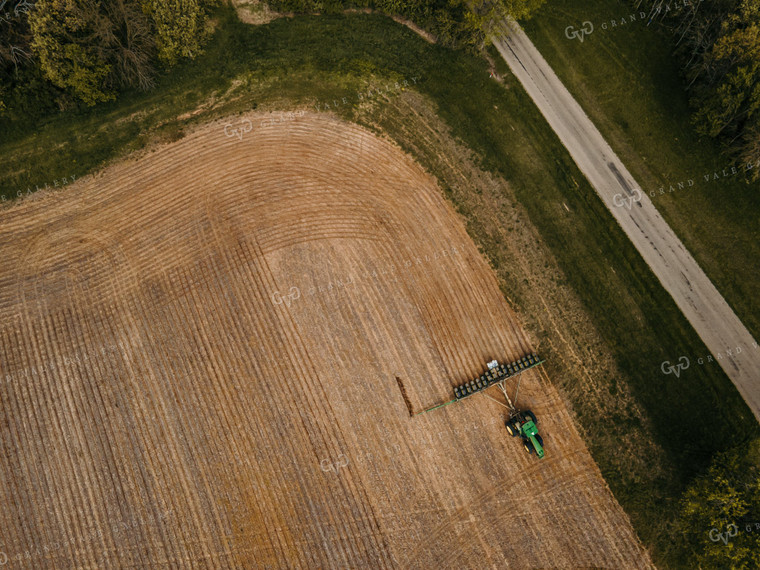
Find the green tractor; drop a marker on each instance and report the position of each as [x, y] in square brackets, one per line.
[524, 425]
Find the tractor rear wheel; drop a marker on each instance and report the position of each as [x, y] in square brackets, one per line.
[531, 415]
[511, 429]
[528, 445]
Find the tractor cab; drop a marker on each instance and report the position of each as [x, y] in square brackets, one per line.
[524, 424]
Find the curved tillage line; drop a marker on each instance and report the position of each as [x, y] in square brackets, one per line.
[81, 264]
[115, 293]
[395, 234]
[373, 288]
[432, 202]
[438, 301]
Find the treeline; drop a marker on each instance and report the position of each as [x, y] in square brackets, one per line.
[60, 53]
[454, 23]
[718, 42]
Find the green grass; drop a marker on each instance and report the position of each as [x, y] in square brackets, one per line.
[309, 60]
[629, 83]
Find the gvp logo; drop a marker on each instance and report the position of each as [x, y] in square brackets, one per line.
[668, 368]
[327, 466]
[731, 531]
[293, 294]
[581, 34]
[238, 132]
[3, 559]
[620, 201]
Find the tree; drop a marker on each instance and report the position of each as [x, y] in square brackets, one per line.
[728, 98]
[720, 514]
[488, 14]
[125, 35]
[90, 48]
[521, 9]
[179, 28]
[15, 50]
[68, 56]
[750, 152]
[719, 43]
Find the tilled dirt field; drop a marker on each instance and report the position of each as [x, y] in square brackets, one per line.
[201, 351]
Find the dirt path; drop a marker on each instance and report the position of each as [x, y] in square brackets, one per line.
[200, 351]
[720, 329]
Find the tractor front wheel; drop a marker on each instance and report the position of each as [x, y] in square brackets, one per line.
[528, 445]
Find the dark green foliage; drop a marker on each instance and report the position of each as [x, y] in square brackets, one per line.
[720, 515]
[91, 48]
[452, 22]
[446, 19]
[88, 51]
[719, 45]
[179, 28]
[15, 52]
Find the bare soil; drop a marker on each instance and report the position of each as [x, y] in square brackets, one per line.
[199, 354]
